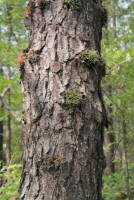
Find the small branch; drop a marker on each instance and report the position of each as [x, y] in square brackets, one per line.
[4, 91]
[116, 107]
[8, 108]
[118, 64]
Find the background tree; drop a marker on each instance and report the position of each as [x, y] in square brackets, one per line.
[64, 115]
[118, 50]
[13, 39]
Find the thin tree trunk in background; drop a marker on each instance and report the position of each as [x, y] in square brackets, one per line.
[63, 155]
[1, 126]
[119, 138]
[114, 20]
[8, 128]
[1, 133]
[109, 138]
[125, 158]
[1, 141]
[8, 140]
[8, 124]
[1, 146]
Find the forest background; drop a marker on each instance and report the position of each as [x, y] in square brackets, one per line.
[117, 87]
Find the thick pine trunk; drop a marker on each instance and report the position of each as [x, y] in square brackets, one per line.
[63, 155]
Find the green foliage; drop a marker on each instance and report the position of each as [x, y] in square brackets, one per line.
[118, 86]
[16, 142]
[90, 55]
[119, 53]
[73, 99]
[11, 178]
[3, 115]
[72, 3]
[114, 187]
[14, 38]
[106, 147]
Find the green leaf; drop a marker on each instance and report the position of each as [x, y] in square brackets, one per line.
[128, 57]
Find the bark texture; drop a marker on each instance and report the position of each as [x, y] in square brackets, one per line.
[63, 155]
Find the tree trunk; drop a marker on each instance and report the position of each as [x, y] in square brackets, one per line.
[1, 134]
[64, 115]
[8, 124]
[8, 140]
[109, 137]
[1, 141]
[8, 128]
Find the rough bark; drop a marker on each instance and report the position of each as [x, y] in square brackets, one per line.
[63, 156]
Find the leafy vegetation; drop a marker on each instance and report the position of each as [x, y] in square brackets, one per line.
[90, 55]
[13, 39]
[115, 184]
[73, 99]
[72, 3]
[118, 88]
[11, 178]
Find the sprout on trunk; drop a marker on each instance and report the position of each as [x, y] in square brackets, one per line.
[73, 99]
[90, 55]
